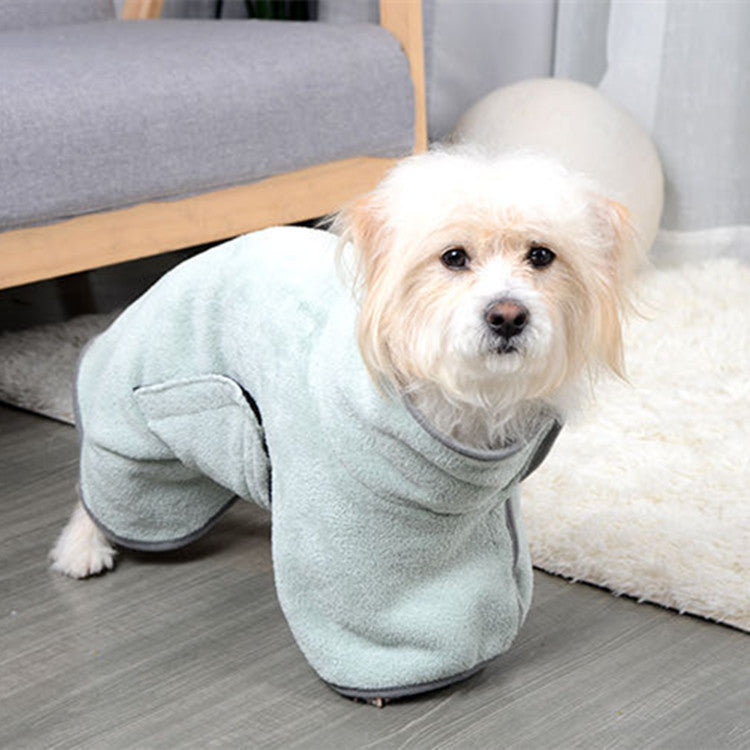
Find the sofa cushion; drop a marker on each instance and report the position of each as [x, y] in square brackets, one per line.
[24, 14]
[104, 115]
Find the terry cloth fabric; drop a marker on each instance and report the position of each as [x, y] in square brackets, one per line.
[400, 558]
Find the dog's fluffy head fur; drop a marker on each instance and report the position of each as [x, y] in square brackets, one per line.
[423, 318]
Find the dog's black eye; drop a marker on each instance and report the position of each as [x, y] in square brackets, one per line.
[456, 257]
[540, 256]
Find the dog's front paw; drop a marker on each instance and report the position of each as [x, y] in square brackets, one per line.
[82, 550]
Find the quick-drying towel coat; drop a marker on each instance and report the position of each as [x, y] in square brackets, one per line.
[399, 557]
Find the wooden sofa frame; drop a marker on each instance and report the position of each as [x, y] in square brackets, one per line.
[94, 240]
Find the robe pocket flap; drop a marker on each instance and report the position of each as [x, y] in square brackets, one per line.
[213, 426]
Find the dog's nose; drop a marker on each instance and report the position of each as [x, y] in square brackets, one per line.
[507, 318]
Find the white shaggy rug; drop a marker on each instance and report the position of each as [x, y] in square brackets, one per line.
[38, 365]
[647, 495]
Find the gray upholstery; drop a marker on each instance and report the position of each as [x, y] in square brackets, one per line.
[24, 14]
[102, 115]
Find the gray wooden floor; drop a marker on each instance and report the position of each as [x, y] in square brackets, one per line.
[190, 649]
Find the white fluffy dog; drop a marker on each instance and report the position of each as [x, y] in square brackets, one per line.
[489, 288]
[490, 284]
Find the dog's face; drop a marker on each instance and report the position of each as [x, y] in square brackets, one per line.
[496, 280]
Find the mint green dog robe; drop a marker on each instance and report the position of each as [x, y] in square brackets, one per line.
[399, 556]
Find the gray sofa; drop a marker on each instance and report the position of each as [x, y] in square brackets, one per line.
[120, 139]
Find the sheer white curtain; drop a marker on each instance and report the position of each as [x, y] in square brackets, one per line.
[682, 68]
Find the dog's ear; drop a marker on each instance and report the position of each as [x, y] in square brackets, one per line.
[364, 249]
[621, 214]
[363, 241]
[627, 250]
[623, 258]
[364, 229]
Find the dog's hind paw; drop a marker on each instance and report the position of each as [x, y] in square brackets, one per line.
[82, 550]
